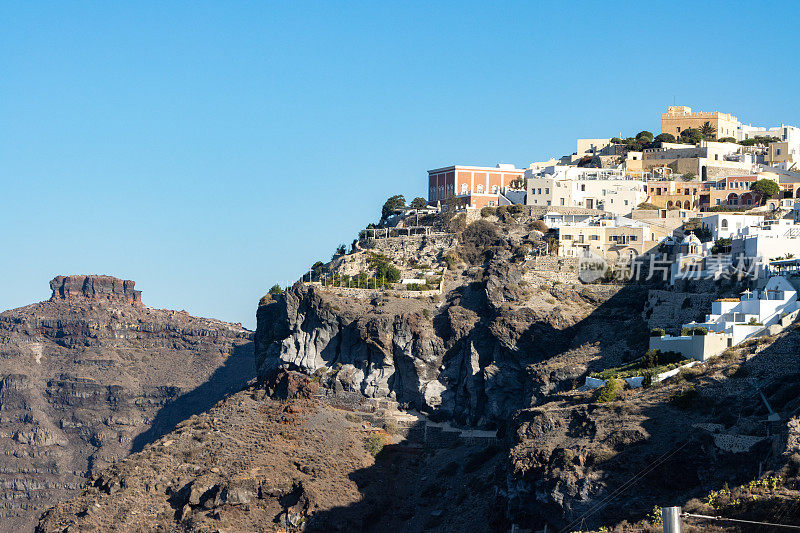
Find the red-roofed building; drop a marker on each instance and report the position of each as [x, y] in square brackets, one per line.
[474, 187]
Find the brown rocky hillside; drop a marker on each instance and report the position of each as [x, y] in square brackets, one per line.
[93, 374]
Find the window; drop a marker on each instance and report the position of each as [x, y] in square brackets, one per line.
[538, 191]
[567, 237]
[562, 201]
[464, 188]
[480, 188]
[547, 190]
[492, 203]
[718, 202]
[626, 202]
[724, 223]
[548, 202]
[583, 187]
[633, 238]
[594, 237]
[494, 189]
[716, 157]
[777, 151]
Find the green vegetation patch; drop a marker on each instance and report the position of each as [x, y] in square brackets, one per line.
[654, 362]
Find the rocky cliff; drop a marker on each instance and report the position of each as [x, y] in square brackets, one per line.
[93, 374]
[500, 337]
[504, 347]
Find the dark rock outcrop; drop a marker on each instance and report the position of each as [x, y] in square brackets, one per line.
[487, 349]
[93, 374]
[95, 288]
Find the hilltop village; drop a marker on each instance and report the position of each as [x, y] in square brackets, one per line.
[565, 347]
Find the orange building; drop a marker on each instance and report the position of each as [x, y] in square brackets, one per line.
[475, 187]
[732, 191]
[678, 194]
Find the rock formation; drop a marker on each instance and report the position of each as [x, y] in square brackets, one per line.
[93, 374]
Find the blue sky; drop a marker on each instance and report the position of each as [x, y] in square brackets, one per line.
[208, 150]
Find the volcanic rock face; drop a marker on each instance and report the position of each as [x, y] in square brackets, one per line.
[95, 288]
[487, 349]
[92, 374]
[256, 463]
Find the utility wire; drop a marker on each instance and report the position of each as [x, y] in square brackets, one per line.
[705, 517]
[625, 486]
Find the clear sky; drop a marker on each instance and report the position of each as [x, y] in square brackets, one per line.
[210, 149]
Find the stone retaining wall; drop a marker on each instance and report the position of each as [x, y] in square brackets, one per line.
[552, 263]
[363, 294]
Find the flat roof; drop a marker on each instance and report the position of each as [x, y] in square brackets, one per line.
[468, 167]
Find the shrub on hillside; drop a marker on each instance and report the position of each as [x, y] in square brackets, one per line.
[539, 225]
[610, 391]
[685, 399]
[479, 241]
[488, 212]
[375, 443]
[657, 332]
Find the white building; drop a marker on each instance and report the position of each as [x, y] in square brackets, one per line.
[753, 312]
[782, 132]
[733, 320]
[729, 225]
[593, 188]
[770, 240]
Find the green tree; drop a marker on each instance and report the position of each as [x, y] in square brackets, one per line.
[691, 135]
[766, 189]
[275, 289]
[707, 130]
[722, 246]
[418, 203]
[392, 205]
[726, 140]
[340, 251]
[689, 176]
[616, 140]
[644, 136]
[665, 138]
[610, 391]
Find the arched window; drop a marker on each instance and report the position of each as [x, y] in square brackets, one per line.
[464, 188]
[494, 189]
[480, 188]
[723, 224]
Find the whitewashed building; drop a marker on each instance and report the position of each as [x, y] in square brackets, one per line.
[753, 312]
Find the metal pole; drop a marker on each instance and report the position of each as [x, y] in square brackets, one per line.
[671, 517]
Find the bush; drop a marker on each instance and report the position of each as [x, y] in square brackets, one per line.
[488, 212]
[685, 399]
[275, 289]
[647, 206]
[722, 246]
[610, 391]
[418, 203]
[766, 189]
[657, 332]
[539, 225]
[664, 138]
[700, 331]
[451, 259]
[515, 209]
[479, 241]
[375, 443]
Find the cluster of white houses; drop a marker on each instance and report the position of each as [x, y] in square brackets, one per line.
[733, 320]
[634, 201]
[619, 199]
